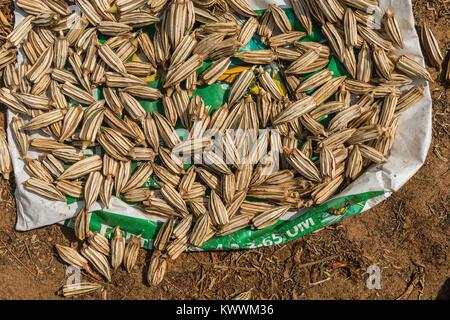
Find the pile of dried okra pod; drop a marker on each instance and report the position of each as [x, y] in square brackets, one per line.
[290, 135]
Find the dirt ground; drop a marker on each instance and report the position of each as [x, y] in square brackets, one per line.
[407, 236]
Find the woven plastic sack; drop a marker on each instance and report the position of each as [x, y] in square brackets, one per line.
[374, 186]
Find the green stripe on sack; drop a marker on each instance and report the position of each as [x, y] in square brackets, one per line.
[282, 232]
